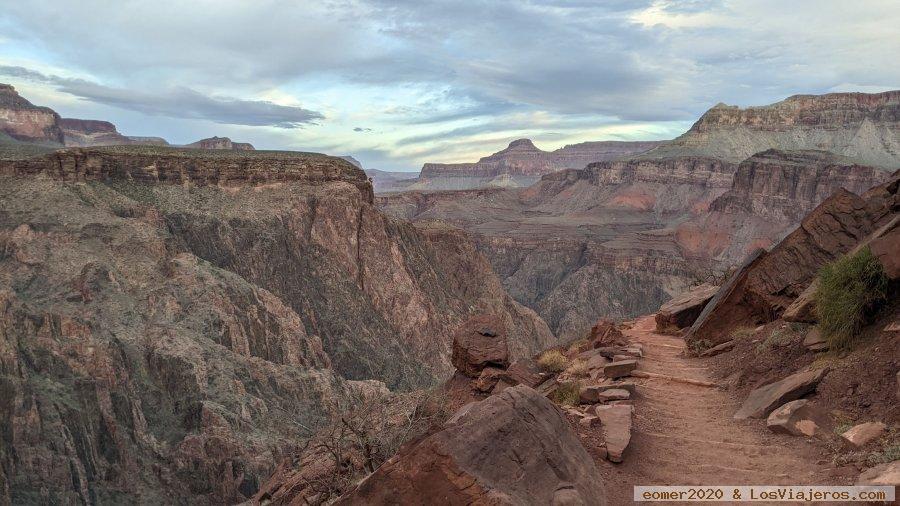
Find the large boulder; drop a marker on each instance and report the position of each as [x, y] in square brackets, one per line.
[513, 448]
[683, 310]
[605, 333]
[478, 343]
[763, 400]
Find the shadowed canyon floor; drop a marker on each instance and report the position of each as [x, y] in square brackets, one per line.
[684, 434]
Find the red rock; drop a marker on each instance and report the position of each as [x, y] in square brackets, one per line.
[478, 343]
[765, 399]
[619, 369]
[887, 474]
[482, 455]
[527, 372]
[221, 143]
[719, 349]
[683, 310]
[814, 340]
[799, 418]
[863, 434]
[615, 421]
[803, 308]
[604, 333]
[613, 394]
[887, 250]
[489, 378]
[22, 120]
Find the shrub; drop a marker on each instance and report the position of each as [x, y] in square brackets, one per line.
[699, 346]
[566, 394]
[553, 361]
[577, 344]
[578, 368]
[742, 333]
[850, 291]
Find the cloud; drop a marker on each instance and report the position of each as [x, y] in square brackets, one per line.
[361, 129]
[176, 102]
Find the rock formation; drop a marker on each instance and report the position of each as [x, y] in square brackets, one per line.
[172, 319]
[521, 164]
[24, 121]
[85, 132]
[221, 143]
[862, 126]
[511, 448]
[385, 181]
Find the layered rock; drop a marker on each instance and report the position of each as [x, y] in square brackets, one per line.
[24, 121]
[682, 311]
[862, 126]
[385, 181]
[85, 132]
[221, 143]
[511, 448]
[521, 164]
[770, 193]
[172, 320]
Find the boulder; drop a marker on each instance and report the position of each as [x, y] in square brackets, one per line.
[803, 308]
[863, 434]
[884, 475]
[511, 448]
[605, 333]
[799, 418]
[478, 343]
[619, 369]
[763, 400]
[814, 340]
[615, 422]
[593, 359]
[718, 349]
[683, 310]
[489, 378]
[527, 372]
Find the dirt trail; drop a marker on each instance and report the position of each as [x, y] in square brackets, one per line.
[684, 434]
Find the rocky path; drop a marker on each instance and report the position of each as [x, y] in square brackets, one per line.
[684, 434]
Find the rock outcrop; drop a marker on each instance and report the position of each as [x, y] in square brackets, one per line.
[521, 164]
[24, 121]
[763, 289]
[85, 133]
[221, 143]
[511, 448]
[171, 320]
[862, 126]
[765, 399]
[682, 311]
[481, 342]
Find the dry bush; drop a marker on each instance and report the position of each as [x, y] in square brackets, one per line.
[553, 361]
[578, 369]
[566, 394]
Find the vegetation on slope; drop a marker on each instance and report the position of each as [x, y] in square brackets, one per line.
[850, 291]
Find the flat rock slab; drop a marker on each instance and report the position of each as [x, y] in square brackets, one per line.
[615, 422]
[619, 369]
[814, 340]
[527, 372]
[884, 474]
[803, 309]
[683, 310]
[799, 418]
[765, 399]
[613, 394]
[863, 434]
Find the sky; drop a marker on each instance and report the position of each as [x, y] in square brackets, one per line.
[400, 83]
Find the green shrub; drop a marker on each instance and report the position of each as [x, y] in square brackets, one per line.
[566, 394]
[850, 291]
[553, 361]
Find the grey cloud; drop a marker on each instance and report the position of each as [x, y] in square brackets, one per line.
[361, 129]
[177, 102]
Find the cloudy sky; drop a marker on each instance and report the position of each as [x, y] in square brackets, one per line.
[397, 83]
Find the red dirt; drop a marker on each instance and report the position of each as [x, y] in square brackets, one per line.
[685, 435]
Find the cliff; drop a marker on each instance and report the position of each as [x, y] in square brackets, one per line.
[24, 121]
[864, 127]
[771, 192]
[85, 132]
[521, 164]
[221, 143]
[172, 322]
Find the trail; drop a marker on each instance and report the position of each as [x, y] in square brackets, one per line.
[684, 433]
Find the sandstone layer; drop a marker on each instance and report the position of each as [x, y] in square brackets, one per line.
[24, 121]
[84, 133]
[221, 143]
[520, 164]
[172, 321]
[862, 126]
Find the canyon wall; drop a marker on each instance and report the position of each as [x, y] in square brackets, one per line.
[864, 127]
[24, 121]
[175, 322]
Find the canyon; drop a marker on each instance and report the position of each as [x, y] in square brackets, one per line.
[648, 226]
[175, 321]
